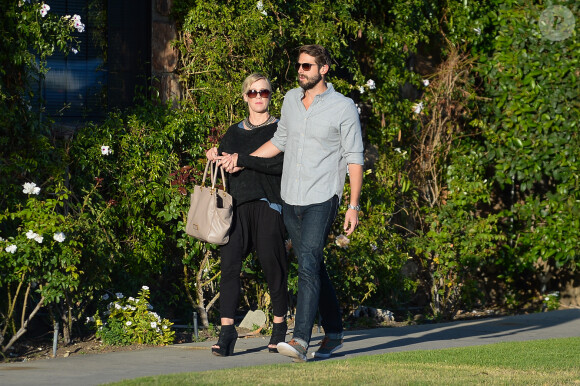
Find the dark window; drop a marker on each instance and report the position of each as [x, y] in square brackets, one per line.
[75, 87]
[129, 59]
[112, 63]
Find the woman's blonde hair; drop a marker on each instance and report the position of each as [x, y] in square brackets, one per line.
[254, 78]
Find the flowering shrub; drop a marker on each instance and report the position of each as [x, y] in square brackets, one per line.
[551, 301]
[132, 320]
[44, 257]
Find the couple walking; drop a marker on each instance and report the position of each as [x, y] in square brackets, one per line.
[290, 172]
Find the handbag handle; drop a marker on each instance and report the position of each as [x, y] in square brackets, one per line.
[213, 175]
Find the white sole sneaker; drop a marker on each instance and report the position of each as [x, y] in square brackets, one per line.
[286, 349]
[317, 354]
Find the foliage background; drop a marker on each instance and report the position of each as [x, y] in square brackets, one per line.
[471, 190]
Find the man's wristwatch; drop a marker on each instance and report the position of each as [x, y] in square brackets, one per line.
[357, 208]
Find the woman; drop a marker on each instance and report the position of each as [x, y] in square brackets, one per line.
[257, 223]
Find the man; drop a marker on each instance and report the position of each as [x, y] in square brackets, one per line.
[319, 133]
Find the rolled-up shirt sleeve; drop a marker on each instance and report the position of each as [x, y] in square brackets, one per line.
[351, 137]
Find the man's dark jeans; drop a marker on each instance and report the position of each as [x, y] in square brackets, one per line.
[308, 227]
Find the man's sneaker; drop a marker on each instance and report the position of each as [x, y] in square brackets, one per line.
[292, 349]
[327, 347]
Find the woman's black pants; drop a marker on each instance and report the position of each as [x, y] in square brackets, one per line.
[255, 227]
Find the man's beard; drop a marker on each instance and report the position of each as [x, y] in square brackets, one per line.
[309, 83]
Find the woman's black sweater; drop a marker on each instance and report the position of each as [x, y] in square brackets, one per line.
[260, 177]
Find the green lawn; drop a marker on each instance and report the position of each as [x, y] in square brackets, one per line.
[545, 362]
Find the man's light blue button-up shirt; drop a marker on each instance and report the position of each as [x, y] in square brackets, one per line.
[318, 144]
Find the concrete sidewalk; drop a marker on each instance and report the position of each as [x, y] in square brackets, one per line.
[104, 368]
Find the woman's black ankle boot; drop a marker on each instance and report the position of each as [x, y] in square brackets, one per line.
[278, 335]
[226, 341]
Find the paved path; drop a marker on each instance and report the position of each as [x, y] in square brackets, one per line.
[95, 369]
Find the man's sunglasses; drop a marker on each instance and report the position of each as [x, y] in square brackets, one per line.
[254, 93]
[305, 66]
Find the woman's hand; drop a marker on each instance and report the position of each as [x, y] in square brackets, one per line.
[212, 154]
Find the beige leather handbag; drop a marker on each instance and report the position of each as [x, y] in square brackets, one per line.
[211, 210]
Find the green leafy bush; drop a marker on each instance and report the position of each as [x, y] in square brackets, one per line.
[531, 135]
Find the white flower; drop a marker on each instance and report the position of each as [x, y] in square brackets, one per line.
[90, 319]
[119, 295]
[129, 323]
[546, 298]
[145, 288]
[105, 297]
[59, 236]
[425, 82]
[105, 150]
[359, 110]
[260, 7]
[361, 89]
[131, 299]
[31, 235]
[118, 306]
[153, 325]
[418, 107]
[39, 239]
[477, 31]
[76, 18]
[11, 248]
[398, 150]
[74, 51]
[371, 84]
[1, 239]
[44, 9]
[79, 26]
[30, 188]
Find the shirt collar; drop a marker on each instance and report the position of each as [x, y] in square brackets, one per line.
[329, 90]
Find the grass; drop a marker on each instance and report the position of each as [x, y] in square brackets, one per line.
[545, 362]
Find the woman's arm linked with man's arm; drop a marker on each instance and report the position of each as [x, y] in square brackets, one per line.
[230, 161]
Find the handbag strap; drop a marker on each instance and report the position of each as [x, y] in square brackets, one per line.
[213, 170]
[205, 172]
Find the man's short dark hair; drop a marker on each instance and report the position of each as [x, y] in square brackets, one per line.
[318, 52]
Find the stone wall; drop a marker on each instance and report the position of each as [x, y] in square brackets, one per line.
[164, 57]
[570, 292]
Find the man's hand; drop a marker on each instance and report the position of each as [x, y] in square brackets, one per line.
[351, 218]
[350, 221]
[230, 162]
